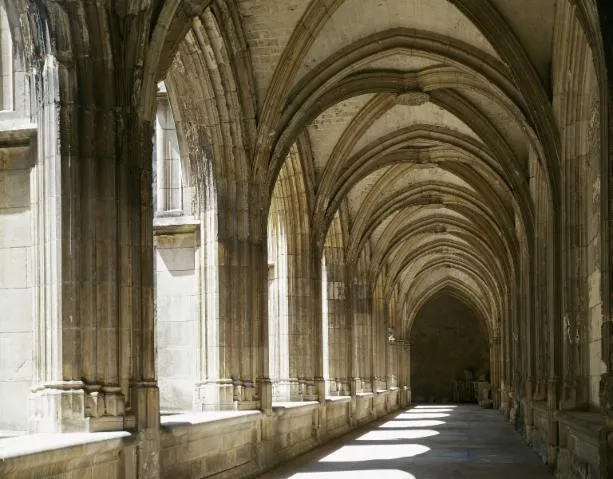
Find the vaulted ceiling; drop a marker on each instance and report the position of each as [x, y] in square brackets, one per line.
[419, 125]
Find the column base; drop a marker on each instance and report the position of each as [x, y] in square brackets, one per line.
[214, 395]
[228, 394]
[362, 385]
[57, 407]
[264, 386]
[72, 406]
[338, 387]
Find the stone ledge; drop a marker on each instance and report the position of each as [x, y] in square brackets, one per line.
[587, 423]
[338, 399]
[206, 417]
[16, 133]
[37, 450]
[580, 436]
[282, 407]
[383, 391]
[169, 224]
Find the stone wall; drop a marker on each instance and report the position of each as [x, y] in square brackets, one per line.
[66, 456]
[176, 318]
[6, 62]
[16, 287]
[595, 366]
[226, 444]
[446, 339]
[579, 445]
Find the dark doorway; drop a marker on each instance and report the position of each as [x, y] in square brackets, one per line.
[449, 352]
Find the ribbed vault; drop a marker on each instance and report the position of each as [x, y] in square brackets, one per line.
[423, 130]
[432, 145]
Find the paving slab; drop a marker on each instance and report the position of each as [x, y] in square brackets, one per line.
[424, 442]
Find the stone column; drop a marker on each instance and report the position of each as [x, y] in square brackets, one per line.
[339, 331]
[406, 373]
[95, 341]
[495, 363]
[606, 380]
[391, 380]
[362, 341]
[256, 341]
[95, 283]
[305, 323]
[57, 402]
[379, 338]
[235, 317]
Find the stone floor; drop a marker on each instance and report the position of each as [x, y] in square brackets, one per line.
[425, 442]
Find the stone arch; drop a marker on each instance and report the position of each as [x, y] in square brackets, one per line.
[294, 352]
[209, 82]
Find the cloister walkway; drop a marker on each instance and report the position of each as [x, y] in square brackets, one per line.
[424, 442]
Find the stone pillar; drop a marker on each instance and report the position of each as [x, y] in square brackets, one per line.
[95, 340]
[257, 307]
[362, 341]
[407, 370]
[379, 339]
[495, 363]
[57, 401]
[243, 364]
[96, 279]
[606, 380]
[391, 380]
[310, 307]
[339, 330]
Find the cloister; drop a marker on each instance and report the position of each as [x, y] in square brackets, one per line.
[232, 231]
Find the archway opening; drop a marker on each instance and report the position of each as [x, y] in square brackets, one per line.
[449, 352]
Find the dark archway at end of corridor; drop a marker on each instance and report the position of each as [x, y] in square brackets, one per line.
[449, 352]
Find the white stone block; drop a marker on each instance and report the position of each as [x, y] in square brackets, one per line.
[13, 405]
[16, 356]
[175, 259]
[15, 228]
[13, 268]
[16, 310]
[14, 189]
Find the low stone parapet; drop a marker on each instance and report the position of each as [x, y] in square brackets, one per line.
[218, 444]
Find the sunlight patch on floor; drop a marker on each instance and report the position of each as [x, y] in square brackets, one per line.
[375, 453]
[422, 415]
[437, 406]
[421, 423]
[356, 474]
[391, 435]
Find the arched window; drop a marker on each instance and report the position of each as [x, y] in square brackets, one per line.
[169, 180]
[177, 273]
[6, 61]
